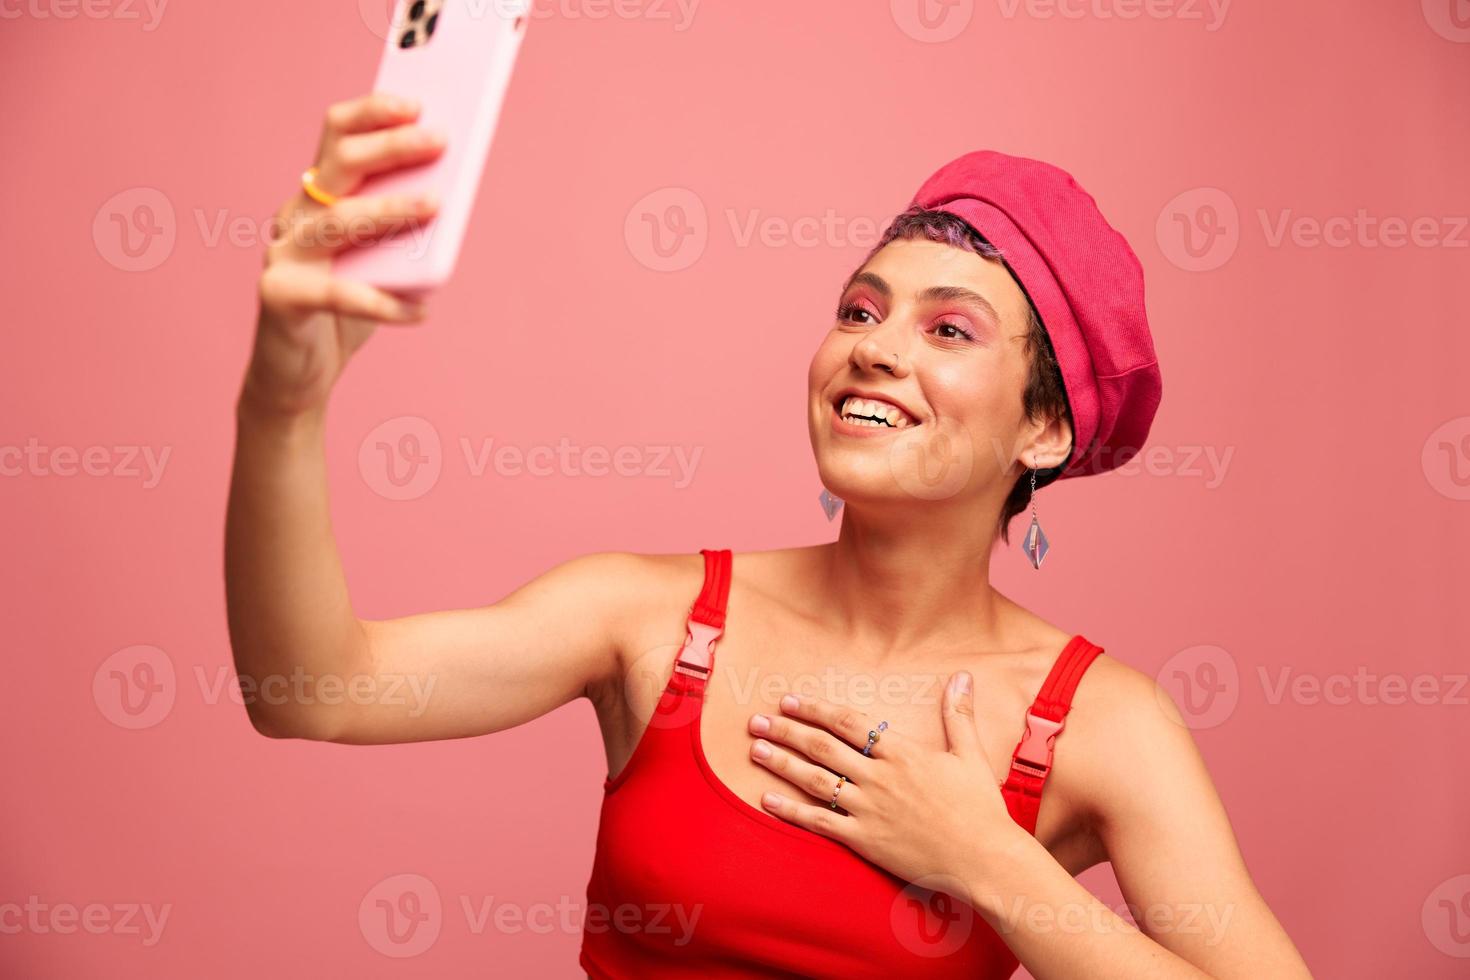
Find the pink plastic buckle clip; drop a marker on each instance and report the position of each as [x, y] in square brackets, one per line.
[1034, 755]
[697, 656]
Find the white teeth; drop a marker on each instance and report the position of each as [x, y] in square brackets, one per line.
[878, 413]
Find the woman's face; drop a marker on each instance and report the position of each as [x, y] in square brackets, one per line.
[937, 335]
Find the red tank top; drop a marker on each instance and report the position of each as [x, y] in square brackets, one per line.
[689, 880]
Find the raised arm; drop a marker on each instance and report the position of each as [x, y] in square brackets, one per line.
[309, 667]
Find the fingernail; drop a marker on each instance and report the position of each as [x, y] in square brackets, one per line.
[435, 137]
[760, 723]
[406, 103]
[426, 201]
[761, 749]
[790, 703]
[771, 800]
[962, 682]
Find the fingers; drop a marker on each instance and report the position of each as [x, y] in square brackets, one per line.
[818, 819]
[821, 747]
[296, 288]
[355, 157]
[368, 112]
[850, 725]
[373, 134]
[959, 715]
[815, 781]
[355, 221]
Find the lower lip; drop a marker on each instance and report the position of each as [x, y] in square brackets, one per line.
[843, 427]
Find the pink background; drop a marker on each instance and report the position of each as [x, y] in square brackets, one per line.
[1327, 378]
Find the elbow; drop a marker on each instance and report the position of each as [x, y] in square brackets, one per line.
[312, 724]
[299, 725]
[297, 705]
[269, 724]
[273, 724]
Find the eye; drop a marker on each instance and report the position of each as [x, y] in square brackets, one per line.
[849, 310]
[962, 332]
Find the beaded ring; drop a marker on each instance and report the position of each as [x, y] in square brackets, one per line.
[840, 781]
[873, 737]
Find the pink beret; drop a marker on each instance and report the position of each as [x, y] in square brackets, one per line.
[1084, 281]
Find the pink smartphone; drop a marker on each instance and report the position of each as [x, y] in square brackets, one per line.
[455, 57]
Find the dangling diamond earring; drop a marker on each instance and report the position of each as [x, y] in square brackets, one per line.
[831, 503]
[1034, 544]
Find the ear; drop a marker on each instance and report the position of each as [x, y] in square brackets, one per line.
[1048, 443]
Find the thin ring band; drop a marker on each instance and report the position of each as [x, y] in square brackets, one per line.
[309, 184]
[840, 781]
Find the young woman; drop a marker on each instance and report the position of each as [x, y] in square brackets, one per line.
[896, 824]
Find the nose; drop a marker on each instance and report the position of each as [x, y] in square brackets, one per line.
[883, 349]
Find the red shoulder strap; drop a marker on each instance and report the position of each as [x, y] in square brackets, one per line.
[1031, 761]
[706, 616]
[710, 606]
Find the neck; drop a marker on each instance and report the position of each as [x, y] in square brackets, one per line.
[900, 579]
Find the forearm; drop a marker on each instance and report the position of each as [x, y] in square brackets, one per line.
[291, 620]
[1056, 927]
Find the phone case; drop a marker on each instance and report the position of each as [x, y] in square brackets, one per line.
[455, 57]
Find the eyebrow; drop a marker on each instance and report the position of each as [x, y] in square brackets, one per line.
[935, 293]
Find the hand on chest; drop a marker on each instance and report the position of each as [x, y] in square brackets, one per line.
[908, 698]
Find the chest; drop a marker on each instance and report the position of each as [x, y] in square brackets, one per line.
[751, 677]
[759, 659]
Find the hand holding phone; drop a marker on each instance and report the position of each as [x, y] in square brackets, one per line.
[311, 321]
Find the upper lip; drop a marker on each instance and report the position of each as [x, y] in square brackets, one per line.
[875, 396]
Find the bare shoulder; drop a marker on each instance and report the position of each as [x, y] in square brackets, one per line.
[634, 586]
[657, 590]
[677, 569]
[646, 597]
[1124, 731]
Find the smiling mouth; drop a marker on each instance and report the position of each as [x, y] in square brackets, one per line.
[872, 412]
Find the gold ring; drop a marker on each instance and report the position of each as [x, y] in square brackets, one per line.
[308, 184]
